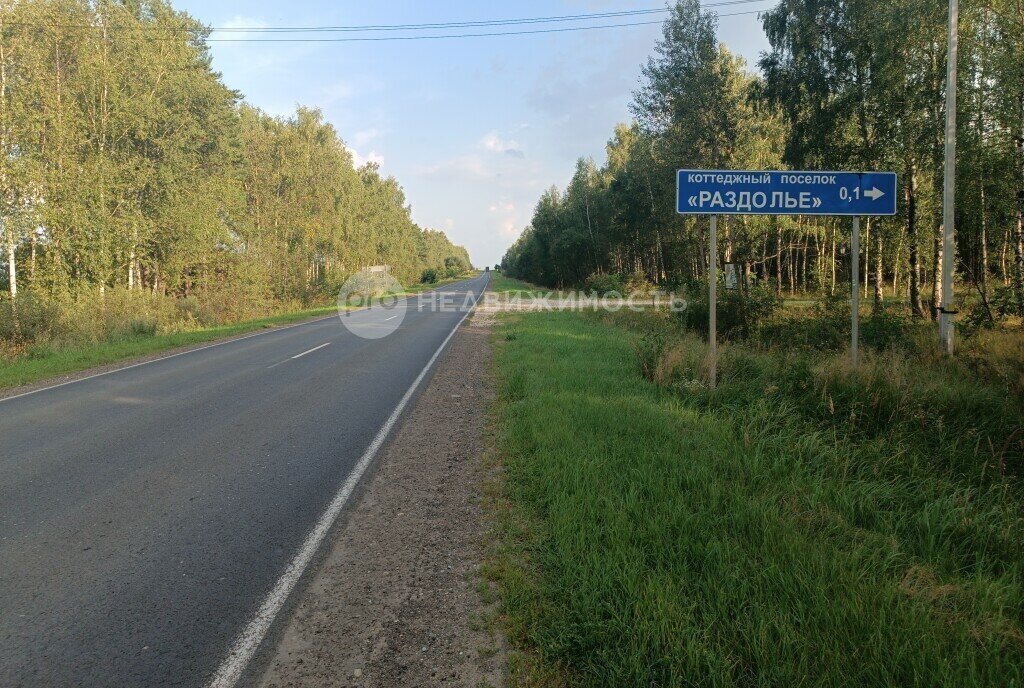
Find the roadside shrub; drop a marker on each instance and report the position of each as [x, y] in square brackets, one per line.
[886, 330]
[976, 317]
[142, 328]
[454, 266]
[825, 328]
[675, 284]
[604, 283]
[649, 349]
[28, 320]
[1002, 309]
[740, 315]
[91, 316]
[429, 276]
[1004, 302]
[963, 414]
[637, 283]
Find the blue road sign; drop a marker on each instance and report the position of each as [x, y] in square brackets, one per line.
[742, 192]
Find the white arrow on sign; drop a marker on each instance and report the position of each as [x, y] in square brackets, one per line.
[874, 194]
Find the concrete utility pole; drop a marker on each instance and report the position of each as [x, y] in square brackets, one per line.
[949, 186]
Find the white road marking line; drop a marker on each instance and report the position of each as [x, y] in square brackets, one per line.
[164, 358]
[180, 353]
[310, 351]
[391, 318]
[245, 646]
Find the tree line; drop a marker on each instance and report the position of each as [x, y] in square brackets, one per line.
[126, 162]
[845, 85]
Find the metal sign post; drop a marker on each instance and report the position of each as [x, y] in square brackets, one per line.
[790, 192]
[855, 282]
[713, 305]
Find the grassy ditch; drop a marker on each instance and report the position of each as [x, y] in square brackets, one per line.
[804, 524]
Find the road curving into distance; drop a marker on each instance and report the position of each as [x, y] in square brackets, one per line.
[151, 514]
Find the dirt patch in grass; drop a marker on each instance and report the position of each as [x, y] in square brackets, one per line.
[399, 601]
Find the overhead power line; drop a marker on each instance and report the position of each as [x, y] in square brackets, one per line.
[471, 24]
[421, 37]
[446, 25]
[369, 28]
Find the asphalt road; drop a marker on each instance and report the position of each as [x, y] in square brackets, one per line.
[146, 513]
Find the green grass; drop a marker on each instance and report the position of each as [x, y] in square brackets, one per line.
[661, 534]
[42, 362]
[513, 287]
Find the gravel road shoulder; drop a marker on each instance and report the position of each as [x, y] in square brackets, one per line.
[396, 602]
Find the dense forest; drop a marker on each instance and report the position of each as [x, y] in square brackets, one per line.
[846, 85]
[128, 166]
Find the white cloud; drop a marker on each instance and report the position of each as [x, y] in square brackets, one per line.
[350, 88]
[240, 22]
[241, 60]
[359, 160]
[585, 88]
[495, 144]
[464, 166]
[509, 229]
[342, 90]
[508, 221]
[502, 207]
[361, 138]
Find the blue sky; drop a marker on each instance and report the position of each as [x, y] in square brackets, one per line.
[474, 129]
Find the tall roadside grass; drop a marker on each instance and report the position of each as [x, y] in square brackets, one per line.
[803, 524]
[88, 343]
[41, 338]
[34, 324]
[509, 286]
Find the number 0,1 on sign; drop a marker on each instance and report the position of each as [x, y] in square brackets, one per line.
[788, 192]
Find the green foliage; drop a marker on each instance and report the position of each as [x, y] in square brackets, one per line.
[632, 284]
[739, 315]
[511, 287]
[50, 357]
[844, 85]
[455, 266]
[661, 534]
[429, 276]
[825, 328]
[887, 329]
[1002, 306]
[131, 167]
[604, 283]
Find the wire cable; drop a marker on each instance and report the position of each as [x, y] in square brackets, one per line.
[454, 35]
[402, 27]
